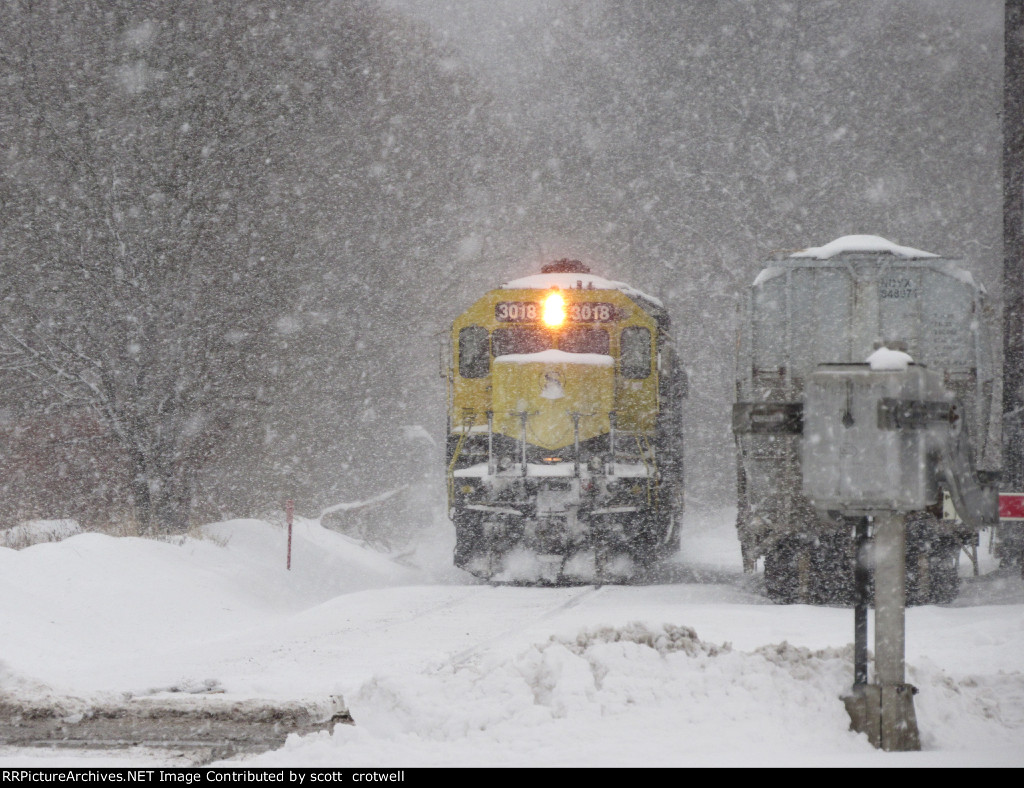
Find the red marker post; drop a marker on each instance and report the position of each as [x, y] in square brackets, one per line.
[289, 510]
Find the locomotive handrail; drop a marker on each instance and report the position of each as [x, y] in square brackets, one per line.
[468, 417]
[647, 467]
[490, 443]
[522, 440]
[612, 418]
[576, 443]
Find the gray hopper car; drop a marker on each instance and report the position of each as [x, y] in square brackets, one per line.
[836, 304]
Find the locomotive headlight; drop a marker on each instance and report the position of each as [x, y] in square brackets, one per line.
[554, 310]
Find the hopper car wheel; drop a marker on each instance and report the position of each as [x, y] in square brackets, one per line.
[832, 563]
[602, 558]
[787, 571]
[932, 570]
[748, 544]
[803, 569]
[1009, 545]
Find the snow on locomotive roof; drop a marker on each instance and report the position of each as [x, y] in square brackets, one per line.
[564, 281]
[861, 243]
[554, 356]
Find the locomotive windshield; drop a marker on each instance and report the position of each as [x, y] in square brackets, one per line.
[578, 339]
[505, 341]
[584, 340]
[635, 349]
[473, 360]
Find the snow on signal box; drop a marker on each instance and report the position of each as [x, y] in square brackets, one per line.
[1011, 506]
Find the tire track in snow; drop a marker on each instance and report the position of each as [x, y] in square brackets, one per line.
[462, 657]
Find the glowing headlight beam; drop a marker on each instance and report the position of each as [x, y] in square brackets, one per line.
[554, 310]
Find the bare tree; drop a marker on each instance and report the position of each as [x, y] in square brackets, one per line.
[147, 236]
[223, 224]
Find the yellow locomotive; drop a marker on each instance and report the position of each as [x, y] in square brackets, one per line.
[564, 451]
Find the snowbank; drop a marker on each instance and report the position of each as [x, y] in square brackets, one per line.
[438, 669]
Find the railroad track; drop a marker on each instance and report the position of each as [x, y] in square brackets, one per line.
[464, 656]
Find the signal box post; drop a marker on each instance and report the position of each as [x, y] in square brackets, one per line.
[867, 433]
[878, 439]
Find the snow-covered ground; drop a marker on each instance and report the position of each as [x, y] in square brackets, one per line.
[438, 669]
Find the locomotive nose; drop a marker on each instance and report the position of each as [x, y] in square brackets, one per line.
[553, 389]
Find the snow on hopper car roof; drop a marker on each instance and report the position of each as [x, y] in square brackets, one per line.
[875, 243]
[864, 244]
[564, 281]
[861, 243]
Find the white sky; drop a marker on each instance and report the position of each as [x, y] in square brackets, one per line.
[438, 669]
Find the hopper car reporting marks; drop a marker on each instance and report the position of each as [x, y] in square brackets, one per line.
[834, 305]
[564, 450]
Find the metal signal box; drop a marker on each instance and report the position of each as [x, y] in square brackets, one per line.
[873, 439]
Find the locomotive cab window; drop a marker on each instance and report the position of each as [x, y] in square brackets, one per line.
[474, 360]
[580, 339]
[635, 352]
[585, 340]
[519, 340]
